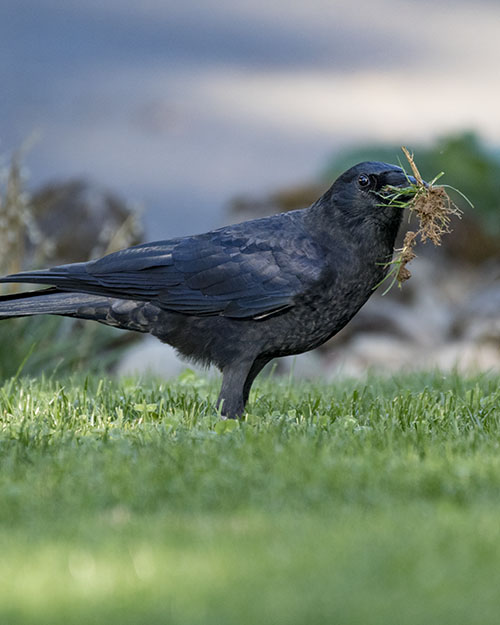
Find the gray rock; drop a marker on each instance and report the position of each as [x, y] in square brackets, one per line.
[478, 318]
[76, 220]
[308, 366]
[376, 353]
[466, 357]
[150, 357]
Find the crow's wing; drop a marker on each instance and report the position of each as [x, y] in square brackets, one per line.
[245, 271]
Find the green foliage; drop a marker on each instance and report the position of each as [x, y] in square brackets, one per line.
[468, 165]
[360, 502]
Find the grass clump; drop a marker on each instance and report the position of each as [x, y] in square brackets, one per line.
[433, 208]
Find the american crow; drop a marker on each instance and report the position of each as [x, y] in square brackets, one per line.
[241, 295]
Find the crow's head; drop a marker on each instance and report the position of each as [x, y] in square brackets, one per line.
[360, 195]
[359, 202]
[364, 186]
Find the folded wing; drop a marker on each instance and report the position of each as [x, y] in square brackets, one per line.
[245, 271]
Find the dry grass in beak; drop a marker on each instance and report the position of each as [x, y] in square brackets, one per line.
[433, 208]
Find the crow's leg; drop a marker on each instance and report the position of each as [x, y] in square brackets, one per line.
[236, 382]
[256, 368]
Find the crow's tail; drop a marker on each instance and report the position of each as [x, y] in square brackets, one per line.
[54, 302]
[124, 314]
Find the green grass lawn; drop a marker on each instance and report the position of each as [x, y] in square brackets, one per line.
[357, 502]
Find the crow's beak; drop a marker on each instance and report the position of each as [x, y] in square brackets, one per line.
[398, 178]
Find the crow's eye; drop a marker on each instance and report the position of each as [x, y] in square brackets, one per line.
[364, 181]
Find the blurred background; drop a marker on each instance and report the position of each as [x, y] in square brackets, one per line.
[124, 121]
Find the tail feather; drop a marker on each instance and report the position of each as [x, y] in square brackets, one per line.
[66, 277]
[124, 314]
[54, 302]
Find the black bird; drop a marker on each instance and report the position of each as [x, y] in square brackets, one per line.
[242, 295]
